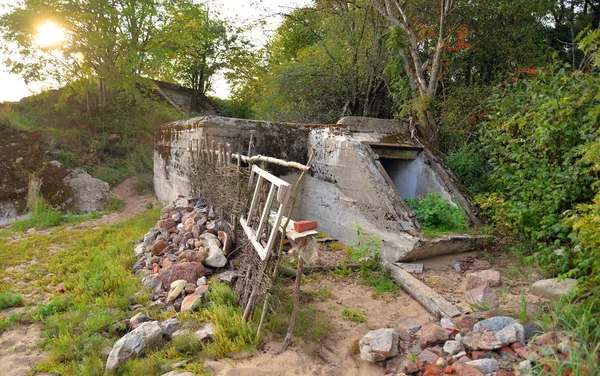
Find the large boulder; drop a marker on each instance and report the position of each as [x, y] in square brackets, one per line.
[553, 288]
[89, 194]
[494, 333]
[189, 271]
[378, 345]
[488, 277]
[134, 344]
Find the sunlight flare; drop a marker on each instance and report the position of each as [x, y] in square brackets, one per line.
[49, 34]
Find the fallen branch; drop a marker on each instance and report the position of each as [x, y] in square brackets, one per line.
[279, 162]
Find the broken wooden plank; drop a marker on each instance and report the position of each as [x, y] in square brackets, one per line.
[433, 302]
[290, 232]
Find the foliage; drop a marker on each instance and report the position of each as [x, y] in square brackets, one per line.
[535, 138]
[311, 324]
[109, 48]
[470, 167]
[9, 299]
[354, 315]
[437, 215]
[95, 270]
[195, 45]
[322, 63]
[367, 253]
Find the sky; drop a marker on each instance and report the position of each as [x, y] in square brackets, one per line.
[240, 12]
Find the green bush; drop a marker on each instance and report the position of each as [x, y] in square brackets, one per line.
[539, 139]
[437, 215]
[367, 253]
[8, 299]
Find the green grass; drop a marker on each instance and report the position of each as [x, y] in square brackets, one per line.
[354, 315]
[8, 300]
[95, 270]
[311, 326]
[581, 320]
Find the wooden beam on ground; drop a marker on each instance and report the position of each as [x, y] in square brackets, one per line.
[433, 302]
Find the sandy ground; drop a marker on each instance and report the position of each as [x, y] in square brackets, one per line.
[18, 347]
[331, 355]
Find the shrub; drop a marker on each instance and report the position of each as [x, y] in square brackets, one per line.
[437, 215]
[8, 299]
[354, 315]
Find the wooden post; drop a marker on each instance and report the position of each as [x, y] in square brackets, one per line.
[288, 336]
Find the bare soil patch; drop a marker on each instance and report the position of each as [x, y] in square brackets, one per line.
[331, 356]
[18, 350]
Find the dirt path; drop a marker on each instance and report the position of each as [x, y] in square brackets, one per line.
[134, 204]
[19, 350]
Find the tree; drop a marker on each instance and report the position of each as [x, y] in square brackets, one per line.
[115, 45]
[324, 62]
[195, 45]
[422, 64]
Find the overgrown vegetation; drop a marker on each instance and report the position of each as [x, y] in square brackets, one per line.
[367, 253]
[311, 324]
[437, 215]
[9, 299]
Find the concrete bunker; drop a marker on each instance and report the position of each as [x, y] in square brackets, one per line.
[362, 171]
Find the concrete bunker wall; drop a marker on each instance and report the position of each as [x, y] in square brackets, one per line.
[172, 160]
[414, 178]
[347, 186]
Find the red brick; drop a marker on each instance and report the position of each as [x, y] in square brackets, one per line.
[516, 345]
[448, 369]
[432, 370]
[505, 373]
[302, 226]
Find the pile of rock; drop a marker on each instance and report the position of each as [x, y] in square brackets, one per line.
[175, 259]
[470, 345]
[187, 245]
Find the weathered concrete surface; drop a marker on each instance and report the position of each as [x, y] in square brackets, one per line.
[172, 160]
[348, 186]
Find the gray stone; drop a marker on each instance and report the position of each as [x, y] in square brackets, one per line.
[553, 289]
[204, 334]
[89, 194]
[378, 345]
[216, 258]
[201, 281]
[174, 373]
[138, 318]
[452, 347]
[228, 276]
[139, 250]
[486, 366]
[153, 282]
[525, 368]
[511, 333]
[134, 344]
[494, 324]
[169, 326]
